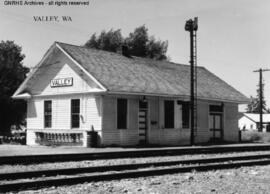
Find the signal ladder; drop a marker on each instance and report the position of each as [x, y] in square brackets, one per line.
[195, 83]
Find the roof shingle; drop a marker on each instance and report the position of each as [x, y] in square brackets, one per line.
[140, 75]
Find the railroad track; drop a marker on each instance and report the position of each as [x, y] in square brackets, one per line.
[28, 159]
[47, 178]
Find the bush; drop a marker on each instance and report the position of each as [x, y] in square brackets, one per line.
[255, 136]
[13, 139]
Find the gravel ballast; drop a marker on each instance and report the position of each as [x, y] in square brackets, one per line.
[89, 163]
[242, 180]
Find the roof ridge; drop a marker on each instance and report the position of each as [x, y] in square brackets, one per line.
[114, 53]
[87, 47]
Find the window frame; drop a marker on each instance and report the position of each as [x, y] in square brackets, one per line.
[47, 114]
[126, 116]
[73, 126]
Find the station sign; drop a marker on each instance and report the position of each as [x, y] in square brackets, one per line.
[62, 82]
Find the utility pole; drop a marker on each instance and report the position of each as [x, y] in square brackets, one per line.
[192, 27]
[261, 96]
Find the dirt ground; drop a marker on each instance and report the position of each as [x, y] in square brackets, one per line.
[242, 181]
[13, 150]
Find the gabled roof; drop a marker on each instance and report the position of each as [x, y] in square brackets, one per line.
[256, 117]
[115, 73]
[120, 74]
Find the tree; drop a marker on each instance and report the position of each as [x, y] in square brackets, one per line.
[12, 73]
[254, 105]
[138, 42]
[92, 42]
[157, 49]
[108, 41]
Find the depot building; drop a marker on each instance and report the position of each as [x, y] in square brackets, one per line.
[124, 100]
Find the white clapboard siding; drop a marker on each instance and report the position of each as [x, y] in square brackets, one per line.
[92, 116]
[170, 136]
[61, 112]
[111, 137]
[177, 115]
[128, 137]
[61, 67]
[231, 122]
[154, 114]
[109, 113]
[203, 131]
[161, 113]
[35, 114]
[110, 134]
[133, 109]
[156, 134]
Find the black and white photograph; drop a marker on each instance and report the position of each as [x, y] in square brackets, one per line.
[135, 96]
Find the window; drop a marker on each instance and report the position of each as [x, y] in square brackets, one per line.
[48, 114]
[121, 113]
[185, 114]
[169, 114]
[75, 113]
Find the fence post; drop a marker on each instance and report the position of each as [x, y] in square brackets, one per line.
[240, 135]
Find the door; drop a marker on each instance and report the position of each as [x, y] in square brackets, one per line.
[143, 121]
[216, 126]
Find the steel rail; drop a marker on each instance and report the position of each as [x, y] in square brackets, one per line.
[72, 171]
[121, 175]
[28, 159]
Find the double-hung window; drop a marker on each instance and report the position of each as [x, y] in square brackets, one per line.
[75, 113]
[47, 113]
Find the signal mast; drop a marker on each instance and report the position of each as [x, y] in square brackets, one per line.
[192, 26]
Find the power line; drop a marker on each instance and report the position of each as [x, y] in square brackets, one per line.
[261, 95]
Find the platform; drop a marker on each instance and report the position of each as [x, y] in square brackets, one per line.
[24, 150]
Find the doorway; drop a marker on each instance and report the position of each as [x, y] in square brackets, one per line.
[216, 122]
[216, 125]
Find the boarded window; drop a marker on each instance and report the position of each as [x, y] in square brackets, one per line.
[48, 113]
[75, 113]
[121, 113]
[169, 114]
[185, 114]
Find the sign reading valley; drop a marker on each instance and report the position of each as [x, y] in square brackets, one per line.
[61, 82]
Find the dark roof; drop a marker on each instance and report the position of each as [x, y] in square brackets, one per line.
[118, 73]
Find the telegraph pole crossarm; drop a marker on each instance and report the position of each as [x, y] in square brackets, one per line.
[261, 96]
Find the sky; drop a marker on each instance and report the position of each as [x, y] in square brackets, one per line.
[233, 35]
